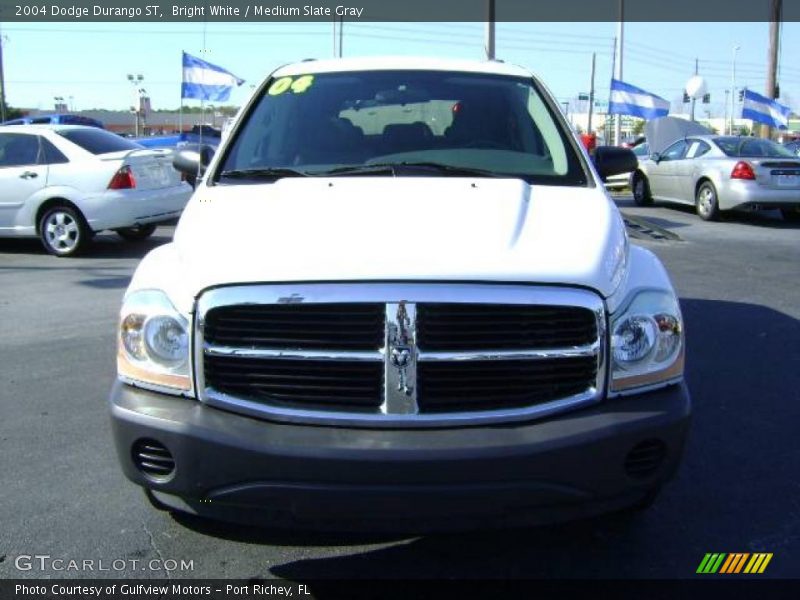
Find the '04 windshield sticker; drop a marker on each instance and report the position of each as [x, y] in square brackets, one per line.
[298, 85]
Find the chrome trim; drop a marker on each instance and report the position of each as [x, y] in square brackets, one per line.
[573, 351]
[392, 294]
[400, 376]
[643, 389]
[281, 354]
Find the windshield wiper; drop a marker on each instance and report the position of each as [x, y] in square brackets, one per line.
[263, 173]
[395, 168]
[449, 169]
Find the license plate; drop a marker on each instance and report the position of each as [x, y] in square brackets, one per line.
[787, 180]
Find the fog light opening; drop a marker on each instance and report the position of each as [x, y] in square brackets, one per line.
[153, 460]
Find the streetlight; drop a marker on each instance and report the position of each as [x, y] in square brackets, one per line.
[733, 88]
[136, 81]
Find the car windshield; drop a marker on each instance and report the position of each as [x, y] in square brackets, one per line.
[404, 122]
[752, 147]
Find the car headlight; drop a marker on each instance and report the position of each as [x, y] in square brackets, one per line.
[153, 343]
[647, 342]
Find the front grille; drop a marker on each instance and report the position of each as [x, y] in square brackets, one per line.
[300, 383]
[358, 354]
[297, 326]
[491, 385]
[453, 327]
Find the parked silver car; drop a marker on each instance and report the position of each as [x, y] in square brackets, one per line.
[716, 173]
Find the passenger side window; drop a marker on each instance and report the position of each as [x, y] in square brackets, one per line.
[697, 148]
[50, 154]
[675, 152]
[18, 149]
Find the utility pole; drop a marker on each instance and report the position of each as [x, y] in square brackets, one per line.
[621, 43]
[490, 30]
[341, 35]
[772, 56]
[591, 97]
[607, 125]
[2, 84]
[696, 72]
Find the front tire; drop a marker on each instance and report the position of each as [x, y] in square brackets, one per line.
[136, 234]
[641, 190]
[706, 202]
[791, 215]
[63, 231]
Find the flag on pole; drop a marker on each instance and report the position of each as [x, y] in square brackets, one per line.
[763, 110]
[204, 81]
[627, 99]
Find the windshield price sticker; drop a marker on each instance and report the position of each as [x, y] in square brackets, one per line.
[298, 85]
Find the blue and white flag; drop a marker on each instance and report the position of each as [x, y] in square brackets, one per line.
[763, 110]
[204, 81]
[627, 99]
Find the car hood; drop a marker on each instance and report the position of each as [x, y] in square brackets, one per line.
[406, 228]
[661, 132]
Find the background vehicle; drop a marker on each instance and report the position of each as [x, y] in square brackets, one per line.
[64, 183]
[204, 134]
[57, 119]
[716, 173]
[793, 146]
[616, 182]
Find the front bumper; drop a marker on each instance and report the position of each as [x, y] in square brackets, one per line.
[238, 468]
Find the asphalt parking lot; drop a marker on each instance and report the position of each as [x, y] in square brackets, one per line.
[738, 490]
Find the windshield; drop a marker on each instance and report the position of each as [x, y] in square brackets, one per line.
[356, 121]
[752, 147]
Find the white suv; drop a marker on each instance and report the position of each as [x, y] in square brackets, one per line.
[64, 183]
[400, 298]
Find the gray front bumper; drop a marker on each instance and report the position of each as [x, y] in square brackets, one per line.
[238, 468]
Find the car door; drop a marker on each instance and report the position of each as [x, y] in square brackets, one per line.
[22, 175]
[662, 175]
[687, 170]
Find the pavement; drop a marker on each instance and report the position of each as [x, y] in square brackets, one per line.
[738, 490]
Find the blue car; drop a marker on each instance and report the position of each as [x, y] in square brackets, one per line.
[57, 119]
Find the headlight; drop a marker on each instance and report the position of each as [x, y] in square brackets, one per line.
[647, 342]
[153, 343]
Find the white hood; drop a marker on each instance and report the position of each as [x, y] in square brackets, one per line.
[404, 228]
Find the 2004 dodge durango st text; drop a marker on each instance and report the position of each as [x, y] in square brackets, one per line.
[400, 293]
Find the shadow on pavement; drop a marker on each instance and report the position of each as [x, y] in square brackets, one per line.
[104, 245]
[738, 480]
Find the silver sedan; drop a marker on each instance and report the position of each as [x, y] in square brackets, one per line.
[716, 173]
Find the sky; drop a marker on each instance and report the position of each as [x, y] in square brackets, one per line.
[89, 62]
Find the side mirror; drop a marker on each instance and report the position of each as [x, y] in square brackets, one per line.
[610, 160]
[655, 157]
[192, 159]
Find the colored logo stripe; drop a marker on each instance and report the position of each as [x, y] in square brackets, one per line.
[758, 563]
[711, 563]
[720, 562]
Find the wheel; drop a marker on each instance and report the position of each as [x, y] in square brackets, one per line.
[63, 231]
[706, 202]
[791, 214]
[641, 190]
[137, 234]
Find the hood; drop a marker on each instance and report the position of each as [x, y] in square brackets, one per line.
[380, 228]
[661, 132]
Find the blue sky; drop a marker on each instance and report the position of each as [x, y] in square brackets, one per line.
[89, 61]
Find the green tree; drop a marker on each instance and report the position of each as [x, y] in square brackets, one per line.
[13, 113]
[638, 128]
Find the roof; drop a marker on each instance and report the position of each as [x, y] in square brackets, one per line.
[42, 127]
[378, 63]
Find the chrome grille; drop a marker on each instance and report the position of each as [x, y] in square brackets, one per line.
[501, 327]
[348, 326]
[399, 354]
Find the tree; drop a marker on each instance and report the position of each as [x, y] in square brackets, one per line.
[13, 113]
[638, 128]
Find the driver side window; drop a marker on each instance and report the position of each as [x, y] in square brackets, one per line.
[675, 152]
